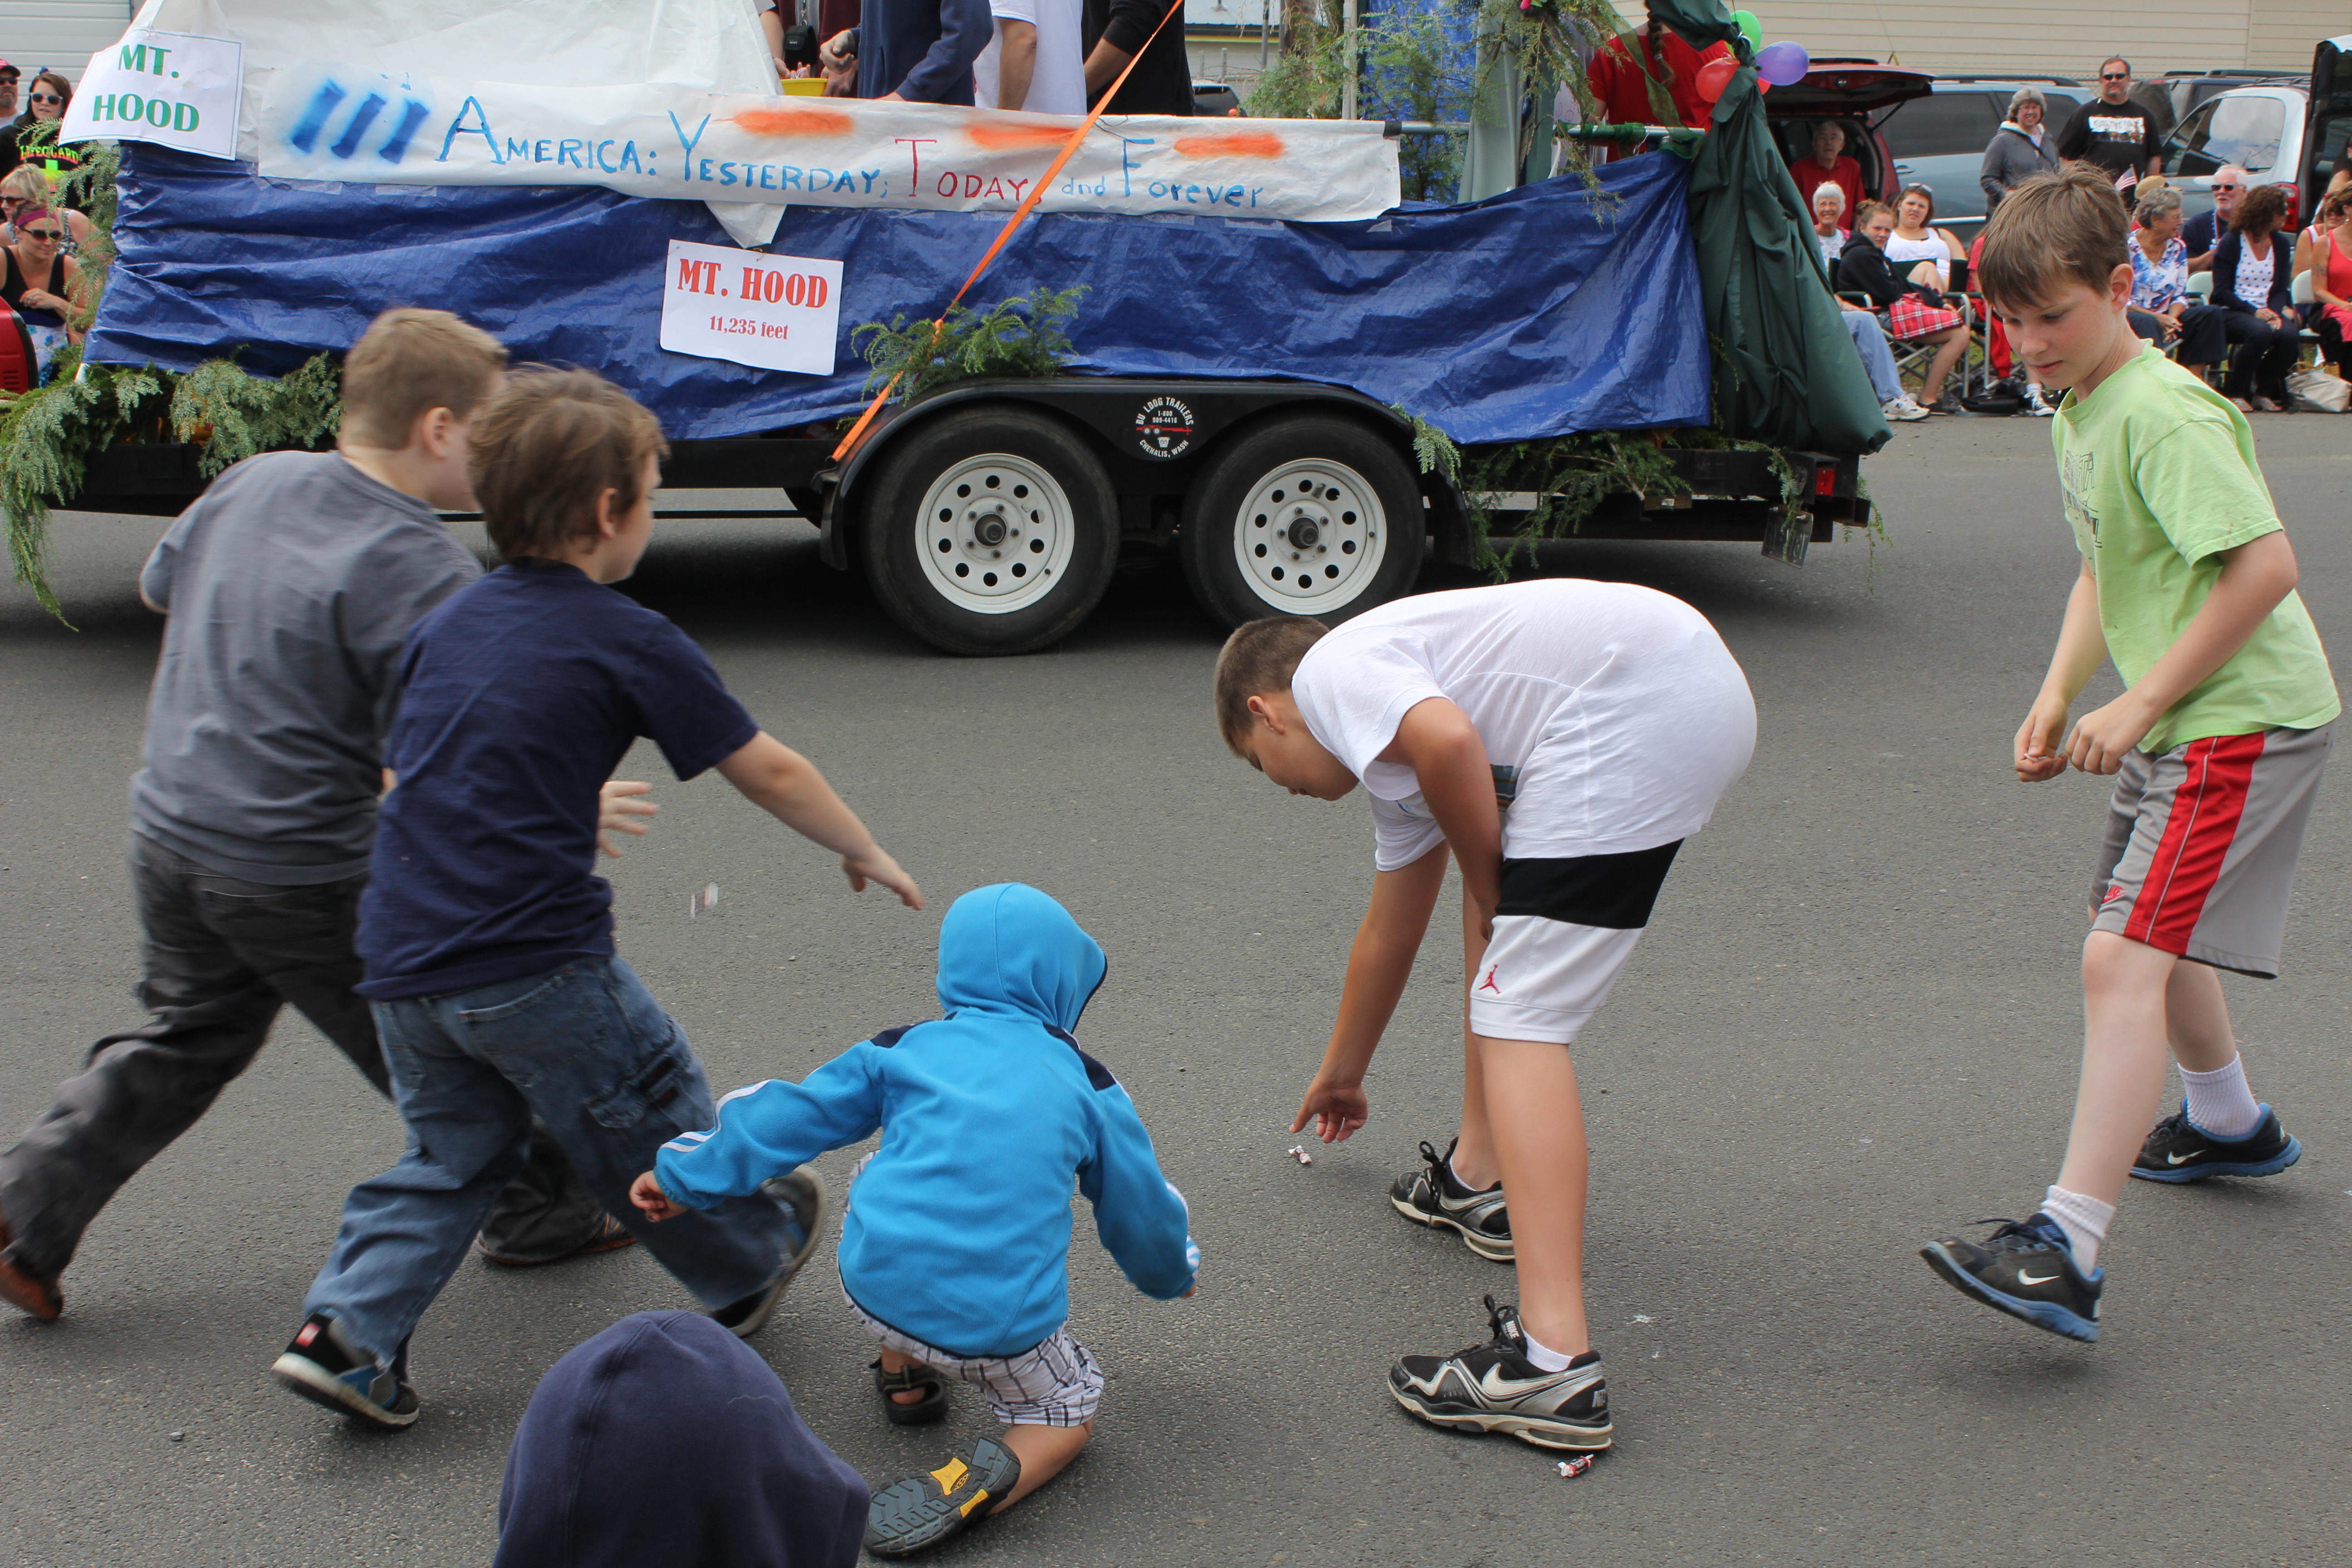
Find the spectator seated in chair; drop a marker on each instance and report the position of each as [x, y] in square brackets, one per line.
[2253, 268]
[1916, 312]
[2331, 280]
[2161, 310]
[1828, 165]
[1829, 207]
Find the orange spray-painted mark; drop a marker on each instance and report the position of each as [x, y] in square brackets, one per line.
[793, 121]
[999, 138]
[1243, 144]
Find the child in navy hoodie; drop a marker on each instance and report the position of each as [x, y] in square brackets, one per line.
[955, 1248]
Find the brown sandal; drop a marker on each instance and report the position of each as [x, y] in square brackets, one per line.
[928, 1408]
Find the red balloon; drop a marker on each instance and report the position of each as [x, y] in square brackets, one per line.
[1714, 76]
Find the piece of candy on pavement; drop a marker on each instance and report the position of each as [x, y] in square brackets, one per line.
[1576, 1466]
[706, 900]
[1299, 1152]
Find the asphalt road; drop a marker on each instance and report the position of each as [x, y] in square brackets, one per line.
[1854, 1023]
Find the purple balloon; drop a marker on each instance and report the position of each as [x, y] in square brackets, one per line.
[1783, 64]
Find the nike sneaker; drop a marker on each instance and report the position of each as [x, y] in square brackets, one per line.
[2180, 1151]
[2026, 1271]
[1494, 1387]
[1431, 1196]
[919, 1512]
[325, 1367]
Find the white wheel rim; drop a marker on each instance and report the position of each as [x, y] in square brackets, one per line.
[995, 533]
[1310, 536]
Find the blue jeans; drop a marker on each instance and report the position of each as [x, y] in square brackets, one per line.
[1870, 342]
[588, 1050]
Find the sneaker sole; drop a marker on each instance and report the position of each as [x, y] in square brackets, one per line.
[1531, 1429]
[2045, 1315]
[811, 1233]
[1483, 1246]
[314, 1382]
[2269, 1167]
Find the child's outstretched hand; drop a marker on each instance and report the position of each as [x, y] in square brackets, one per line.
[875, 865]
[2038, 754]
[617, 812]
[651, 1201]
[1336, 1109]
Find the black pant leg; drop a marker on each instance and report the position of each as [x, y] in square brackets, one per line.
[2253, 336]
[2202, 340]
[143, 1088]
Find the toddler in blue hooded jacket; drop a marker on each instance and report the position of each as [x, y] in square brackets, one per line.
[955, 1248]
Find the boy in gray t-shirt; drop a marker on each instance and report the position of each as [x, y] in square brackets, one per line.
[291, 585]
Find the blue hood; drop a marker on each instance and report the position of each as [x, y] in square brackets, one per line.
[666, 1440]
[1009, 949]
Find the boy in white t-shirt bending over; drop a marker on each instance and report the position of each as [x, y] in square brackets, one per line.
[1563, 738]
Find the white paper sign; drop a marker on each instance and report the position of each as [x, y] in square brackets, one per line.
[778, 313]
[182, 90]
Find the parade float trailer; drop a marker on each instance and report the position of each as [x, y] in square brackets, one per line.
[1301, 388]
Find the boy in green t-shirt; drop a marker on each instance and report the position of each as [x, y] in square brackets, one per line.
[2188, 584]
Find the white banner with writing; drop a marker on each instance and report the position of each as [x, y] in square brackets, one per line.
[652, 138]
[780, 313]
[182, 90]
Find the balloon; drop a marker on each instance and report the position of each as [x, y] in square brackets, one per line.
[1783, 64]
[1751, 28]
[1763, 86]
[1714, 76]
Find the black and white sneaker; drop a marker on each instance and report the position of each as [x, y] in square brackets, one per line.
[1431, 1196]
[323, 1366]
[800, 1192]
[1494, 1387]
[2026, 1271]
[2180, 1151]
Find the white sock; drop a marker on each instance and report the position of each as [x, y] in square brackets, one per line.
[1454, 1172]
[2084, 1221]
[2220, 1103]
[1542, 1356]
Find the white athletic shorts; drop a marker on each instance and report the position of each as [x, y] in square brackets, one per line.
[1563, 930]
[1055, 1383]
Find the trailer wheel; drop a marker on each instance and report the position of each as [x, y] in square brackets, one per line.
[1308, 515]
[991, 530]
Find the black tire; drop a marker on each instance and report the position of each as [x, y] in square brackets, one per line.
[1357, 531]
[941, 576]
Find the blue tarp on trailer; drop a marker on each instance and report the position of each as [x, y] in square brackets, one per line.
[1530, 314]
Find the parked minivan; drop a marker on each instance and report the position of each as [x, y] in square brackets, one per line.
[2282, 134]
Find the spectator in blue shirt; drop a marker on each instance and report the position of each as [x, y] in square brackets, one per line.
[912, 51]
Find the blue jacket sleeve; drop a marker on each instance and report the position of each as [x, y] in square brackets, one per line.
[1139, 1214]
[965, 27]
[768, 1129]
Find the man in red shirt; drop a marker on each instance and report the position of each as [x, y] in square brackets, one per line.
[1622, 84]
[1827, 167]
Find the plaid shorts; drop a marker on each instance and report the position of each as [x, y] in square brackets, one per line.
[1054, 1382]
[1911, 318]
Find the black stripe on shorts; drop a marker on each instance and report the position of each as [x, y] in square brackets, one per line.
[1612, 891]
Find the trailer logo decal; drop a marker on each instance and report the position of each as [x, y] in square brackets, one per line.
[1163, 428]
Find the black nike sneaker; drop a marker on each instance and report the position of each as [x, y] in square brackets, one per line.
[2026, 1271]
[1433, 1196]
[1494, 1387]
[325, 1367]
[919, 1512]
[2180, 1151]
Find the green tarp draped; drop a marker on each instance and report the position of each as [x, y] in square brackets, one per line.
[1785, 370]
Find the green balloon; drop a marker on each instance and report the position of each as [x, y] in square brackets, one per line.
[1750, 26]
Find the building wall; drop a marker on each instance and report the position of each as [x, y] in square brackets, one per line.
[2035, 38]
[59, 35]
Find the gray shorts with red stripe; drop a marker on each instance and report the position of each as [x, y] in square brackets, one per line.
[2202, 845]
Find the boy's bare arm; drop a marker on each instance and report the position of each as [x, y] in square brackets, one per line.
[2082, 648]
[787, 787]
[2255, 576]
[1378, 964]
[1441, 745]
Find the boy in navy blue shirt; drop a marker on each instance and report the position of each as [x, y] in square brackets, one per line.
[487, 939]
[955, 1249]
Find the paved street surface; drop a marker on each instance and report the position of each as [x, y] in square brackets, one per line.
[1854, 1023]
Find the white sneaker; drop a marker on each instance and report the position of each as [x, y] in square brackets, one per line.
[1906, 408]
[2037, 406]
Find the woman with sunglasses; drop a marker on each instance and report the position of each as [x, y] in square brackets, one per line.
[24, 187]
[37, 277]
[47, 100]
[2251, 274]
